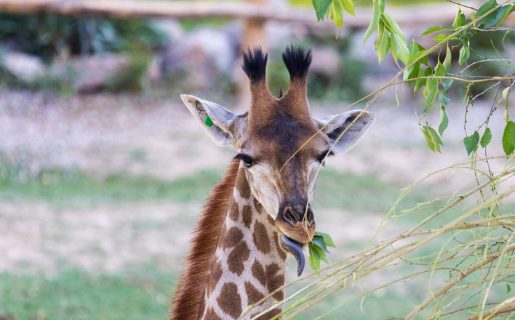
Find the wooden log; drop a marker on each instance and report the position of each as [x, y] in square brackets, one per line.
[406, 16]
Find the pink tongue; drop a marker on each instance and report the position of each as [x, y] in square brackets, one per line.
[295, 249]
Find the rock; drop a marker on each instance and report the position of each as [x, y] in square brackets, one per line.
[98, 72]
[23, 66]
[171, 28]
[203, 56]
[326, 61]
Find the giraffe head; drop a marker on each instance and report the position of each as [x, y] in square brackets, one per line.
[281, 147]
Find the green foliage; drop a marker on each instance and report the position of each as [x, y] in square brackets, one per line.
[51, 35]
[508, 138]
[471, 142]
[444, 120]
[333, 9]
[486, 137]
[418, 72]
[433, 140]
[318, 249]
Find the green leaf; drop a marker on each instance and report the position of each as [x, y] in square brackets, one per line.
[422, 73]
[337, 13]
[327, 239]
[460, 19]
[382, 43]
[429, 140]
[439, 70]
[437, 141]
[508, 138]
[471, 142]
[440, 37]
[495, 18]
[378, 9]
[348, 5]
[434, 29]
[487, 6]
[321, 8]
[464, 54]
[432, 138]
[319, 242]
[486, 138]
[411, 72]
[392, 26]
[430, 92]
[314, 258]
[444, 121]
[399, 47]
[508, 288]
[447, 60]
[446, 84]
[418, 53]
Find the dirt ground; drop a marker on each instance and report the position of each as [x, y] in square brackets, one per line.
[156, 137]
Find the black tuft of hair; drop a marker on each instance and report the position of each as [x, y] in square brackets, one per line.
[297, 60]
[254, 64]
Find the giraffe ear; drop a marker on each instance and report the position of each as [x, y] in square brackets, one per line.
[345, 129]
[222, 125]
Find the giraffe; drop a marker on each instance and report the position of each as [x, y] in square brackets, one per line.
[260, 212]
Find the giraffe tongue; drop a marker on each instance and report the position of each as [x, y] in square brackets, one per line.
[295, 249]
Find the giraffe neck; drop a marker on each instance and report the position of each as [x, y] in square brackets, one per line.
[248, 263]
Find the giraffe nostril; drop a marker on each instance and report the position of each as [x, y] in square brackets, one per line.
[310, 216]
[289, 216]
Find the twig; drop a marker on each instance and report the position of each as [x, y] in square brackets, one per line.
[462, 5]
[455, 280]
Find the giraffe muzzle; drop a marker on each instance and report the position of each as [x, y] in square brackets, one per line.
[297, 223]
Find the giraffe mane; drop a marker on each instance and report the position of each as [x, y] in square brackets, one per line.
[188, 298]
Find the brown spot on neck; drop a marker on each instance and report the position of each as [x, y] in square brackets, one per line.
[275, 280]
[237, 258]
[229, 300]
[231, 238]
[247, 215]
[259, 272]
[261, 237]
[242, 185]
[253, 294]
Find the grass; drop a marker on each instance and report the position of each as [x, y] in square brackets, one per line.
[71, 187]
[144, 293]
[75, 294]
[74, 187]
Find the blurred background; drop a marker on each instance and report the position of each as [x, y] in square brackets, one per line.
[103, 172]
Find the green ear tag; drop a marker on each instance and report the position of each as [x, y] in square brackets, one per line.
[208, 121]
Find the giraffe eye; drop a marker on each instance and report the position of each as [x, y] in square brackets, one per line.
[247, 160]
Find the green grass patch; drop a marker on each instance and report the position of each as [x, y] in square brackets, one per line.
[334, 189]
[77, 295]
[65, 187]
[356, 192]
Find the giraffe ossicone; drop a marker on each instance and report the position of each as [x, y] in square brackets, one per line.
[261, 210]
